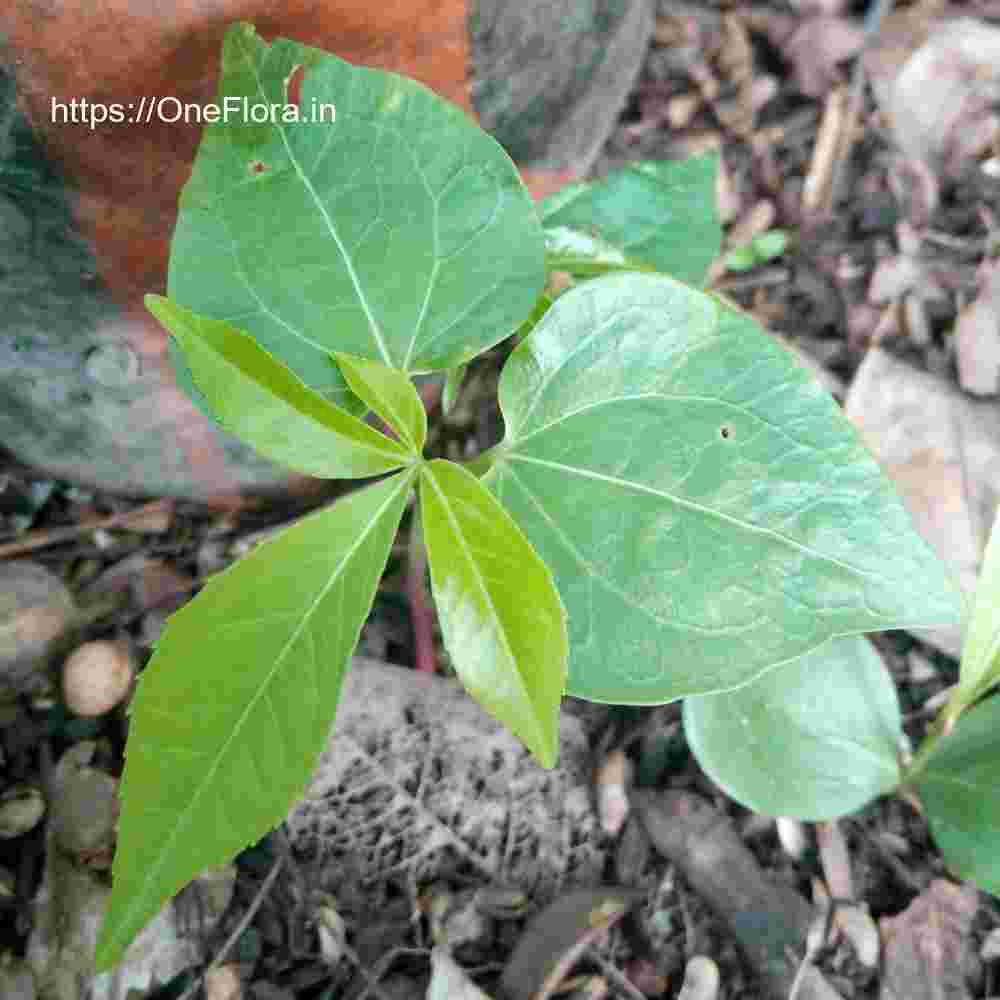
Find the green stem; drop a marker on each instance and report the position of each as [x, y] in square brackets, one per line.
[939, 729]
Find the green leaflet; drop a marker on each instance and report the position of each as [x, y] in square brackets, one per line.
[235, 706]
[401, 232]
[503, 624]
[980, 669]
[260, 400]
[391, 395]
[706, 509]
[815, 738]
[660, 214]
[960, 788]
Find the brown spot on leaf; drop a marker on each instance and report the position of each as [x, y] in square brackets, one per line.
[293, 85]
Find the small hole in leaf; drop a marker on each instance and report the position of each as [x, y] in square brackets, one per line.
[256, 167]
[293, 85]
[725, 432]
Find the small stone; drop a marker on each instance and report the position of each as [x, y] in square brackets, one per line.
[84, 807]
[21, 810]
[36, 610]
[112, 365]
[17, 982]
[96, 677]
[701, 979]
[920, 667]
[223, 983]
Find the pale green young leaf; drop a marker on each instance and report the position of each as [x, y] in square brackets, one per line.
[503, 624]
[232, 711]
[980, 668]
[706, 508]
[391, 395]
[815, 738]
[260, 400]
[540, 309]
[770, 245]
[661, 214]
[400, 232]
[960, 789]
[584, 255]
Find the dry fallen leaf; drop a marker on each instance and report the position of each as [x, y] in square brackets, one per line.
[416, 774]
[941, 100]
[925, 945]
[977, 336]
[701, 979]
[836, 859]
[556, 937]
[612, 798]
[816, 48]
[942, 451]
[449, 980]
[792, 835]
[858, 927]
[769, 921]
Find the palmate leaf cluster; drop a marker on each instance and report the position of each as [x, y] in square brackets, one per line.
[676, 509]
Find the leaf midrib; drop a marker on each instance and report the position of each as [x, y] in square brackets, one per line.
[373, 325]
[691, 505]
[460, 537]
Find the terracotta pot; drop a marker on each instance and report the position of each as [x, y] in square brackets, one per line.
[86, 215]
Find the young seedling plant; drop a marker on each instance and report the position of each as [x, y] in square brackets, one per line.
[676, 509]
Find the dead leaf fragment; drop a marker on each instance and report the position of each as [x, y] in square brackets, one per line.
[817, 47]
[449, 980]
[332, 933]
[941, 450]
[149, 582]
[977, 337]
[856, 924]
[990, 950]
[836, 859]
[701, 979]
[925, 945]
[941, 102]
[612, 798]
[398, 793]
